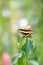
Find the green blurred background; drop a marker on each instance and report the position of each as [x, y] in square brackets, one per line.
[15, 14]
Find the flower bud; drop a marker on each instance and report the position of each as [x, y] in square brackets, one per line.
[29, 28]
[6, 59]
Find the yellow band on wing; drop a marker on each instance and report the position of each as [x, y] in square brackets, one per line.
[21, 31]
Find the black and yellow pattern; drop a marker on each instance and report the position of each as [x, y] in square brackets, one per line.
[26, 32]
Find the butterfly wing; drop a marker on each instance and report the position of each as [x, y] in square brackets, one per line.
[25, 32]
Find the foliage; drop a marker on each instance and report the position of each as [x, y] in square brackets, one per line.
[27, 54]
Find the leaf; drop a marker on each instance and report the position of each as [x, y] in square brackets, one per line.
[15, 58]
[30, 49]
[32, 62]
[27, 47]
[35, 54]
[21, 41]
[22, 60]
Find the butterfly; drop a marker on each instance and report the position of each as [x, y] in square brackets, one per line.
[26, 32]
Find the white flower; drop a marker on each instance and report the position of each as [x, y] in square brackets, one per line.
[23, 22]
[6, 13]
